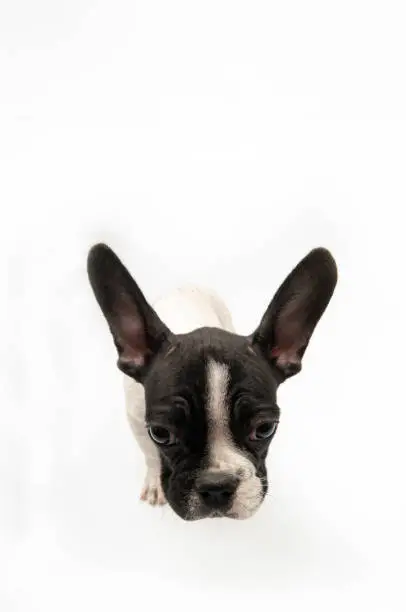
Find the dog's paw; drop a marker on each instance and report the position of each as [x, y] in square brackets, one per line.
[152, 492]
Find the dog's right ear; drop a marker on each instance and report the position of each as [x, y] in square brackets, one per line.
[137, 330]
[293, 314]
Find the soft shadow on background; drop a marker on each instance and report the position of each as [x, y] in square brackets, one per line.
[213, 143]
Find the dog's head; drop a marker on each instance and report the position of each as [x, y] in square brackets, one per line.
[210, 394]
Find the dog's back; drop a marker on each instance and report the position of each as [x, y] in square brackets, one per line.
[192, 307]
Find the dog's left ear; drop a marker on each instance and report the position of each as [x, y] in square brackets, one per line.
[137, 331]
[289, 321]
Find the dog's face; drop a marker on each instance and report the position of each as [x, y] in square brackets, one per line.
[211, 409]
[210, 394]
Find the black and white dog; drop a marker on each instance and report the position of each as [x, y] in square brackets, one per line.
[201, 400]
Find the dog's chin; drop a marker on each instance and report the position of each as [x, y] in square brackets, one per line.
[238, 516]
[216, 514]
[235, 513]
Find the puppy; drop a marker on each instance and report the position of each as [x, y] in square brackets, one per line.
[201, 399]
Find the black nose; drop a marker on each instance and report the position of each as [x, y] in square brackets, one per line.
[216, 490]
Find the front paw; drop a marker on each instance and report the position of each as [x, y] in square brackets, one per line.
[152, 492]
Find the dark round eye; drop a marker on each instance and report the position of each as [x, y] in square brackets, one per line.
[161, 435]
[263, 431]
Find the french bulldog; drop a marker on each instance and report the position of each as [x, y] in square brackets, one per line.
[200, 398]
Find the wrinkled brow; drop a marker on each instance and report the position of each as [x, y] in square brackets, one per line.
[167, 412]
[248, 409]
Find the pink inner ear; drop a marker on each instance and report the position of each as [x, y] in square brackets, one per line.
[132, 339]
[290, 338]
[286, 356]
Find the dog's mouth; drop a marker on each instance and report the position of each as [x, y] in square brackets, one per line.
[216, 514]
[212, 514]
[228, 514]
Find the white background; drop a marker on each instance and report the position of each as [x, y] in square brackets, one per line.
[214, 142]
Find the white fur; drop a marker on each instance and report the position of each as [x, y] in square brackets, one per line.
[182, 311]
[225, 456]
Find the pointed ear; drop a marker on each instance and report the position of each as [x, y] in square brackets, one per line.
[291, 317]
[137, 331]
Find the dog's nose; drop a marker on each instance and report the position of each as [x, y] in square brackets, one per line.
[216, 490]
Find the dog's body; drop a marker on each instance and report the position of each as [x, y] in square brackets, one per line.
[185, 310]
[201, 399]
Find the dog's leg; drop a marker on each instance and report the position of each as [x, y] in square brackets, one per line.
[152, 491]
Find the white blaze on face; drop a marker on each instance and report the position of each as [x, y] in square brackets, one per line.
[224, 455]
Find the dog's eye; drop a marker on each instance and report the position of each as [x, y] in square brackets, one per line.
[161, 435]
[263, 431]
